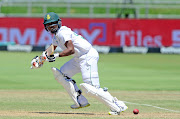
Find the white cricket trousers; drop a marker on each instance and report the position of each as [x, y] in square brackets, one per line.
[86, 64]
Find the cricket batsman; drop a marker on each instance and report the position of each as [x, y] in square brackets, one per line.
[85, 61]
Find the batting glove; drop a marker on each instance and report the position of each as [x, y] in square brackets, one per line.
[53, 57]
[36, 63]
[50, 58]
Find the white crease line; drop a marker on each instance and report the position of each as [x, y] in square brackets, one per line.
[152, 106]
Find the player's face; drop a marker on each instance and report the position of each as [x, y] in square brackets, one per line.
[52, 27]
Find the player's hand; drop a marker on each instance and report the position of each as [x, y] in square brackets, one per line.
[52, 58]
[36, 63]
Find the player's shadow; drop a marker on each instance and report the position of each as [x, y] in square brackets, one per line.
[63, 113]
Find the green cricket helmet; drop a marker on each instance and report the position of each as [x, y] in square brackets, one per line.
[52, 17]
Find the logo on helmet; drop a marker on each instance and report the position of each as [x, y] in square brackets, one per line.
[48, 17]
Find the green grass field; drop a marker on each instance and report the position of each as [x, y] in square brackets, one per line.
[151, 79]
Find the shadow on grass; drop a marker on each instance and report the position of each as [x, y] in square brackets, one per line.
[63, 113]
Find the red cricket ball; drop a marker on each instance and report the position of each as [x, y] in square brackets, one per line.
[135, 111]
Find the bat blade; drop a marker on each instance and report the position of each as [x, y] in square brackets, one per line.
[52, 46]
[50, 50]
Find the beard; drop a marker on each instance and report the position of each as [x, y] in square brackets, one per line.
[54, 30]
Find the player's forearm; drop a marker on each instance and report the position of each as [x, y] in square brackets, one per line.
[66, 52]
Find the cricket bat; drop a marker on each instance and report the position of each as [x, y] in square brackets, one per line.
[42, 59]
[50, 50]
